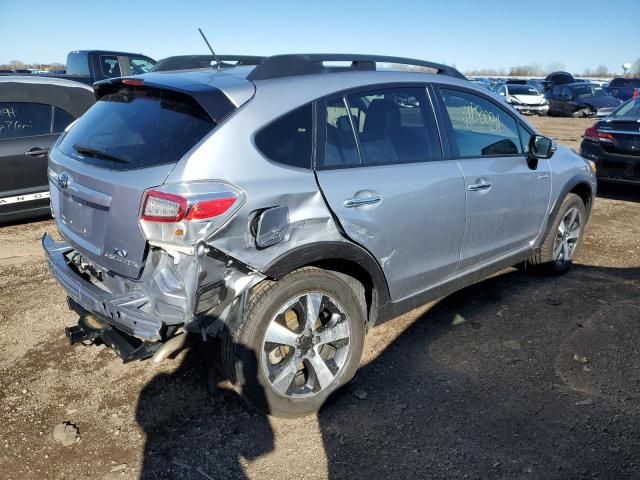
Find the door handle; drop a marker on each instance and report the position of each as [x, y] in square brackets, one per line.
[478, 186]
[37, 152]
[361, 201]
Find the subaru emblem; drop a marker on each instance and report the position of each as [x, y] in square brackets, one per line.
[63, 180]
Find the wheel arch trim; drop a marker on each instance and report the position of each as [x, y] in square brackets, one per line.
[327, 252]
[577, 181]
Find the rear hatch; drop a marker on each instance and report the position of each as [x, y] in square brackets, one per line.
[127, 142]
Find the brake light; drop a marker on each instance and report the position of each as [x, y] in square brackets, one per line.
[136, 82]
[163, 207]
[591, 134]
[594, 135]
[636, 93]
[210, 208]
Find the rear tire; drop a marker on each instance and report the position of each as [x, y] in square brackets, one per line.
[301, 339]
[563, 238]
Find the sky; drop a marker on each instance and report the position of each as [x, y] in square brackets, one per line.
[470, 34]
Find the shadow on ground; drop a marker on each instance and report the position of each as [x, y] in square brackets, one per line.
[488, 383]
[193, 428]
[618, 191]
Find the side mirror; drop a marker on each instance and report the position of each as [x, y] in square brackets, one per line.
[541, 147]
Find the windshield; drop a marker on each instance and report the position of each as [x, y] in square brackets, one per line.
[522, 90]
[628, 109]
[135, 128]
[588, 91]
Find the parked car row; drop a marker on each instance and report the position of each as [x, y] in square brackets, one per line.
[568, 96]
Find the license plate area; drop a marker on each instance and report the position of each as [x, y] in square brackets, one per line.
[84, 221]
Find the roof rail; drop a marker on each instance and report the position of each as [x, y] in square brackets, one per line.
[279, 66]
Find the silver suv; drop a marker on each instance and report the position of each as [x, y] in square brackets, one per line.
[291, 205]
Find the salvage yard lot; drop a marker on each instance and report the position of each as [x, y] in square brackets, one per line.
[516, 377]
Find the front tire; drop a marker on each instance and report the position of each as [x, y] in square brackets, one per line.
[301, 339]
[563, 238]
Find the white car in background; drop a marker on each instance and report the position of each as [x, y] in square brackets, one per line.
[524, 98]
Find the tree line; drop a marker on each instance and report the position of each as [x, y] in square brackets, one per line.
[20, 65]
[537, 70]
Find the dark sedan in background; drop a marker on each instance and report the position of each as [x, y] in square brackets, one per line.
[581, 100]
[613, 144]
[33, 113]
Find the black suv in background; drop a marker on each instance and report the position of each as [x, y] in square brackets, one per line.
[625, 88]
[613, 144]
[33, 112]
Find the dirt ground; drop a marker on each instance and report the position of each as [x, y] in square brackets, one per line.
[516, 377]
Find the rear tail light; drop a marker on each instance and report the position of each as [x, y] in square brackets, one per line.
[594, 135]
[163, 207]
[605, 137]
[636, 93]
[591, 134]
[210, 208]
[186, 213]
[167, 207]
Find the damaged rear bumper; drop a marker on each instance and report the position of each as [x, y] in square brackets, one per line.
[143, 307]
[119, 309]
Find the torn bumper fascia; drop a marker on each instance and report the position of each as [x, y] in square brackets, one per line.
[168, 292]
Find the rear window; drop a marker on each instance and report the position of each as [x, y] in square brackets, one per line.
[137, 128]
[630, 108]
[77, 63]
[522, 90]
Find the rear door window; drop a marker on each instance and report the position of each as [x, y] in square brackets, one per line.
[395, 125]
[480, 127]
[23, 119]
[391, 125]
[288, 140]
[137, 127]
[340, 148]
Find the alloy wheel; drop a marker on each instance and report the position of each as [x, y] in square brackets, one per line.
[567, 236]
[306, 345]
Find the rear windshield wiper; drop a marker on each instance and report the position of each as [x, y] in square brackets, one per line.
[94, 152]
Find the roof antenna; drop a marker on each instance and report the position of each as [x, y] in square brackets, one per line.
[212, 52]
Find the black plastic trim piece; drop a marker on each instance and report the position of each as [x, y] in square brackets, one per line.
[279, 66]
[327, 251]
[395, 309]
[575, 181]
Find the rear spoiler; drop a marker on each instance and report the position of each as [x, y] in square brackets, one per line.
[211, 99]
